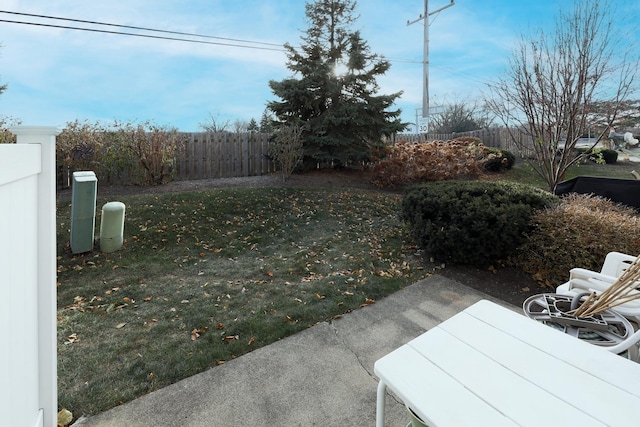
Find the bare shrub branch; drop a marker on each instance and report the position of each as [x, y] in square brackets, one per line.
[287, 149]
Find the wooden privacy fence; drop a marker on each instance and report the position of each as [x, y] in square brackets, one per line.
[223, 155]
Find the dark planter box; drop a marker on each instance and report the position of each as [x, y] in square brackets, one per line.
[624, 191]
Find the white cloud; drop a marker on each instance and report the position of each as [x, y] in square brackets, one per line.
[59, 75]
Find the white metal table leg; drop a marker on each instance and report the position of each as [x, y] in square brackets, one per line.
[382, 389]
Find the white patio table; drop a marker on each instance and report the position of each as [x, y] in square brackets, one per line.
[490, 366]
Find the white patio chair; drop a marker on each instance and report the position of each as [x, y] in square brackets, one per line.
[582, 280]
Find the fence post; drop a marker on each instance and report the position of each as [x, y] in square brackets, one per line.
[45, 136]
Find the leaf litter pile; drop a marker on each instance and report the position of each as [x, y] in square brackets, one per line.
[206, 276]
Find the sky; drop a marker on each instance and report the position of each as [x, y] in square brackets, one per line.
[57, 75]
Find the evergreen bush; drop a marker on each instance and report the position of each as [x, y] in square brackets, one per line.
[499, 160]
[471, 222]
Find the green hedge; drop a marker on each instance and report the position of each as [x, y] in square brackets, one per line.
[472, 222]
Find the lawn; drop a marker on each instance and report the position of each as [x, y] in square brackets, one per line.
[207, 276]
[524, 173]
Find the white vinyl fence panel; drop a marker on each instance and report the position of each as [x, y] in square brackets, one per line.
[28, 391]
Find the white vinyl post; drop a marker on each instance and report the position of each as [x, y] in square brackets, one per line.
[46, 255]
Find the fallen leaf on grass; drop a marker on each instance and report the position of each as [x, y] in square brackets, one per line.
[320, 296]
[290, 319]
[120, 325]
[73, 338]
[231, 338]
[64, 417]
[195, 334]
[368, 301]
[251, 340]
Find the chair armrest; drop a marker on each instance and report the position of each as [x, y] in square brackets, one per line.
[583, 280]
[626, 344]
[584, 274]
[589, 281]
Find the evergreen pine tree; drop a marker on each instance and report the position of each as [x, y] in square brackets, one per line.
[253, 125]
[265, 121]
[333, 91]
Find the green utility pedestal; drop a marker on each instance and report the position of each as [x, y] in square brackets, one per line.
[83, 211]
[112, 227]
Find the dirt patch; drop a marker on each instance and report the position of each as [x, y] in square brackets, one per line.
[320, 178]
[506, 283]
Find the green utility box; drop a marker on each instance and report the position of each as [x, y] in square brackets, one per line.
[83, 211]
[112, 226]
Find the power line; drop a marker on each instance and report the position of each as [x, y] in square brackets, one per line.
[464, 74]
[177, 33]
[137, 28]
[407, 61]
[94, 30]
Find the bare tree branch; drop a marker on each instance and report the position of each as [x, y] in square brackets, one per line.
[553, 81]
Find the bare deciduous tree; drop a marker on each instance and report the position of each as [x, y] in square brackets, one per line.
[240, 126]
[461, 116]
[215, 124]
[553, 80]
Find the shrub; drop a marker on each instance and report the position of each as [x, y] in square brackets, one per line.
[153, 147]
[604, 155]
[7, 137]
[409, 163]
[498, 160]
[147, 152]
[578, 232]
[471, 222]
[79, 145]
[287, 149]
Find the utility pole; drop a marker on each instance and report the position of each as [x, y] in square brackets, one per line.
[425, 62]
